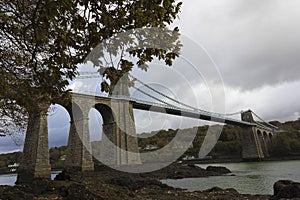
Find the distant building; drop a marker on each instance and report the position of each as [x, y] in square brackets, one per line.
[14, 167]
[151, 147]
[63, 157]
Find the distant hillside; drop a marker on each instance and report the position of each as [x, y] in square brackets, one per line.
[57, 156]
[287, 143]
[9, 159]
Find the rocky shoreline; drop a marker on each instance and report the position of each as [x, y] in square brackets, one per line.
[106, 183]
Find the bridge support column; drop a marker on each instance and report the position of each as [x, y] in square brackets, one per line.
[126, 138]
[79, 146]
[119, 145]
[251, 146]
[35, 162]
[127, 153]
[264, 146]
[108, 151]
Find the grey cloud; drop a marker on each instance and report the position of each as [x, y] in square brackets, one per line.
[58, 136]
[254, 43]
[7, 144]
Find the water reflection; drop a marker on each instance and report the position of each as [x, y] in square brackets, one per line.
[10, 179]
[250, 178]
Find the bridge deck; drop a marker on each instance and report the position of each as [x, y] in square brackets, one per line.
[196, 114]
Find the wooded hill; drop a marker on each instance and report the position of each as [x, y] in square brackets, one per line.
[285, 144]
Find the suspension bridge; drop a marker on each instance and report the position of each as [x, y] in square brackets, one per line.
[179, 108]
[116, 110]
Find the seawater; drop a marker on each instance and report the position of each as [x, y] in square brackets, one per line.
[249, 178]
[10, 179]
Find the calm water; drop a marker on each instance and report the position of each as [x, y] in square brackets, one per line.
[251, 178]
[10, 179]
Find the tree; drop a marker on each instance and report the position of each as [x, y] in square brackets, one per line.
[280, 146]
[42, 41]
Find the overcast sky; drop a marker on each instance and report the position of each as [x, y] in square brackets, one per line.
[251, 49]
[255, 45]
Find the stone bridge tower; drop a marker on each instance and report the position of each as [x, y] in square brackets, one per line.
[119, 145]
[254, 146]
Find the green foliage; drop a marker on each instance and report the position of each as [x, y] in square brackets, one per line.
[9, 159]
[2, 164]
[288, 142]
[280, 146]
[56, 154]
[285, 144]
[229, 143]
[43, 41]
[295, 146]
[227, 149]
[159, 138]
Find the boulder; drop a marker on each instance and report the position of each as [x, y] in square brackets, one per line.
[218, 169]
[63, 176]
[286, 189]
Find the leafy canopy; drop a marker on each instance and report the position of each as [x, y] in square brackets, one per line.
[42, 41]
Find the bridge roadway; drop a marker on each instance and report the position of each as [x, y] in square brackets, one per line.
[173, 110]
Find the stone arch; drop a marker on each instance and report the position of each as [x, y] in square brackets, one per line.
[79, 149]
[103, 150]
[118, 116]
[35, 162]
[59, 118]
[263, 143]
[259, 133]
[74, 111]
[265, 133]
[106, 113]
[266, 137]
[270, 136]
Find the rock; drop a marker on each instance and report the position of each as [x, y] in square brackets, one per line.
[63, 176]
[179, 171]
[123, 182]
[214, 189]
[14, 193]
[286, 189]
[219, 169]
[133, 184]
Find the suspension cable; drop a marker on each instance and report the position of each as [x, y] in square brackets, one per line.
[180, 103]
[151, 88]
[260, 124]
[264, 121]
[149, 95]
[160, 93]
[86, 77]
[231, 114]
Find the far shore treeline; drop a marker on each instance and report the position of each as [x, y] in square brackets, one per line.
[284, 146]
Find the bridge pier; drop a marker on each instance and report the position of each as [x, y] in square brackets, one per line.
[263, 144]
[119, 145]
[126, 138]
[35, 160]
[253, 146]
[79, 146]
